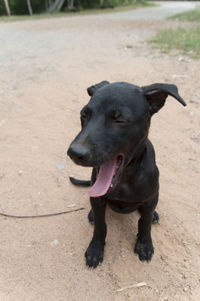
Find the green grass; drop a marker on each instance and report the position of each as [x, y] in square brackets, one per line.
[82, 12]
[192, 15]
[129, 46]
[186, 40]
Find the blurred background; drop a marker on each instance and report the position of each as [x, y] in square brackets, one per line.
[50, 52]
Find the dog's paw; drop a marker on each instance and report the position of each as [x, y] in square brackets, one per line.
[91, 217]
[156, 218]
[144, 250]
[94, 254]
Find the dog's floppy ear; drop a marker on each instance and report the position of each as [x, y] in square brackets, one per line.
[156, 95]
[91, 90]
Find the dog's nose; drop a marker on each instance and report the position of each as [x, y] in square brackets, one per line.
[78, 153]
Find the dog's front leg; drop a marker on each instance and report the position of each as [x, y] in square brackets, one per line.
[94, 253]
[144, 247]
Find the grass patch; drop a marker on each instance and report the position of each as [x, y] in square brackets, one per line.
[81, 12]
[186, 40]
[129, 46]
[192, 15]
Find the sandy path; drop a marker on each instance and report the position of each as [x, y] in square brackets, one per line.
[45, 67]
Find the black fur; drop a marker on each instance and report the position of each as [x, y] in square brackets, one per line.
[116, 122]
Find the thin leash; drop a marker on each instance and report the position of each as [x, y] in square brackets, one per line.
[39, 216]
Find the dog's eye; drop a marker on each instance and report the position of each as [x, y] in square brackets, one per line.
[83, 117]
[118, 118]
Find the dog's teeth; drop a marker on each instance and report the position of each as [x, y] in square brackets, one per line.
[111, 185]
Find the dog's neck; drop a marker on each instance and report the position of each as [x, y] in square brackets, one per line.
[137, 154]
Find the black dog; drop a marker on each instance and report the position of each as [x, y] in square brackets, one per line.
[114, 141]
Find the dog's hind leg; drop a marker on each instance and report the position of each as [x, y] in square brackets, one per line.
[156, 218]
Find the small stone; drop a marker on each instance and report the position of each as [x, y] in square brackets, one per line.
[179, 76]
[165, 299]
[194, 100]
[185, 289]
[196, 138]
[60, 166]
[54, 243]
[20, 172]
[71, 205]
[157, 291]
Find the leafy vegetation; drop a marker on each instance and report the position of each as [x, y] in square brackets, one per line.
[192, 15]
[186, 39]
[24, 7]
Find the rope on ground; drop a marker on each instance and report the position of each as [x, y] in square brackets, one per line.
[39, 216]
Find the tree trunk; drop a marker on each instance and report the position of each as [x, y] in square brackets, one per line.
[29, 7]
[48, 3]
[60, 5]
[56, 6]
[70, 4]
[7, 7]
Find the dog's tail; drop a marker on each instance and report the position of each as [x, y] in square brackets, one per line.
[79, 182]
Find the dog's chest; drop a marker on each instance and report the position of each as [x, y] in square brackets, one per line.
[131, 191]
[123, 199]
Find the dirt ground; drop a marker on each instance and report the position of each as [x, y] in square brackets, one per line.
[46, 66]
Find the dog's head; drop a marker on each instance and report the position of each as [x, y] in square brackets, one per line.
[116, 121]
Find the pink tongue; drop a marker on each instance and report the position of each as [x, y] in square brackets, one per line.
[104, 178]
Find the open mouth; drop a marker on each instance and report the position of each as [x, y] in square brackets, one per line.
[107, 176]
